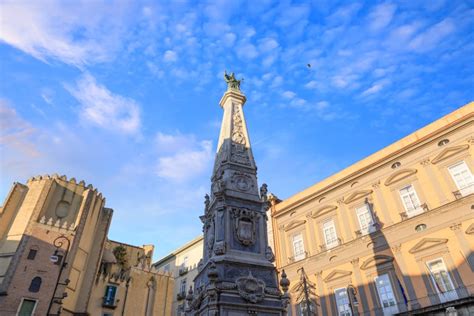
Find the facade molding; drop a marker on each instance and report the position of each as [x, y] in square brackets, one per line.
[400, 175]
[357, 195]
[323, 211]
[337, 274]
[377, 260]
[427, 243]
[449, 152]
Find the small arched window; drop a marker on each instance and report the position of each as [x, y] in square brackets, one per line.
[35, 285]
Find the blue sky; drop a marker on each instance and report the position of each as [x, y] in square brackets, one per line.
[125, 95]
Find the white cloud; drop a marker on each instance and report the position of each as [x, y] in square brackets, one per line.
[229, 39]
[77, 34]
[311, 85]
[381, 16]
[432, 36]
[373, 89]
[103, 108]
[267, 44]
[170, 56]
[247, 51]
[288, 94]
[182, 157]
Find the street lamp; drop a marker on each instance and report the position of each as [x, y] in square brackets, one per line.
[58, 243]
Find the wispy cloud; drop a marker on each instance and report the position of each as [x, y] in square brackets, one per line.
[182, 157]
[78, 34]
[101, 107]
[16, 134]
[381, 16]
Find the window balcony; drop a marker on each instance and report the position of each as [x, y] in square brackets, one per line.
[298, 257]
[331, 245]
[421, 209]
[372, 229]
[183, 270]
[181, 296]
[464, 192]
[109, 302]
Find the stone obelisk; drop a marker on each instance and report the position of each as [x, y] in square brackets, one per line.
[236, 275]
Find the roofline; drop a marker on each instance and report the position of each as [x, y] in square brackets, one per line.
[125, 244]
[180, 249]
[462, 114]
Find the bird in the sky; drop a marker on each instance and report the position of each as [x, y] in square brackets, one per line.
[309, 65]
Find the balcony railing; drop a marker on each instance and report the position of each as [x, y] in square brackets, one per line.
[183, 270]
[464, 191]
[181, 296]
[109, 302]
[421, 209]
[334, 244]
[298, 257]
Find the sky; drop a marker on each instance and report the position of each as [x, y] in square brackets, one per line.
[125, 95]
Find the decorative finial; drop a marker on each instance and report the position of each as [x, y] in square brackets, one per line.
[232, 83]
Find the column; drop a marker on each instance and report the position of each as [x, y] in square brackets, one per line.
[322, 307]
[344, 225]
[312, 239]
[406, 281]
[465, 248]
[381, 205]
[283, 244]
[363, 304]
[432, 182]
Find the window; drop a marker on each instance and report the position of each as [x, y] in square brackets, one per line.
[366, 220]
[182, 288]
[463, 178]
[330, 235]
[386, 296]
[32, 254]
[298, 247]
[410, 200]
[166, 268]
[109, 298]
[27, 307]
[441, 280]
[342, 302]
[35, 285]
[302, 306]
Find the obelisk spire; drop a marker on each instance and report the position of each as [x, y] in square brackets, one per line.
[233, 146]
[236, 275]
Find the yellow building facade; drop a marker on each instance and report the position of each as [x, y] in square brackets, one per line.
[391, 234]
[182, 266]
[55, 257]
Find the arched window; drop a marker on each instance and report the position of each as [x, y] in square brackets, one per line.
[35, 285]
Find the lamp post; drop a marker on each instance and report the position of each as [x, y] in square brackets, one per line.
[58, 243]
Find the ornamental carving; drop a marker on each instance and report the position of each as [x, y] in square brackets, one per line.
[269, 255]
[219, 248]
[240, 154]
[245, 225]
[242, 182]
[237, 130]
[251, 288]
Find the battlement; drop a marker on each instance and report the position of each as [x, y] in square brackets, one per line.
[63, 179]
